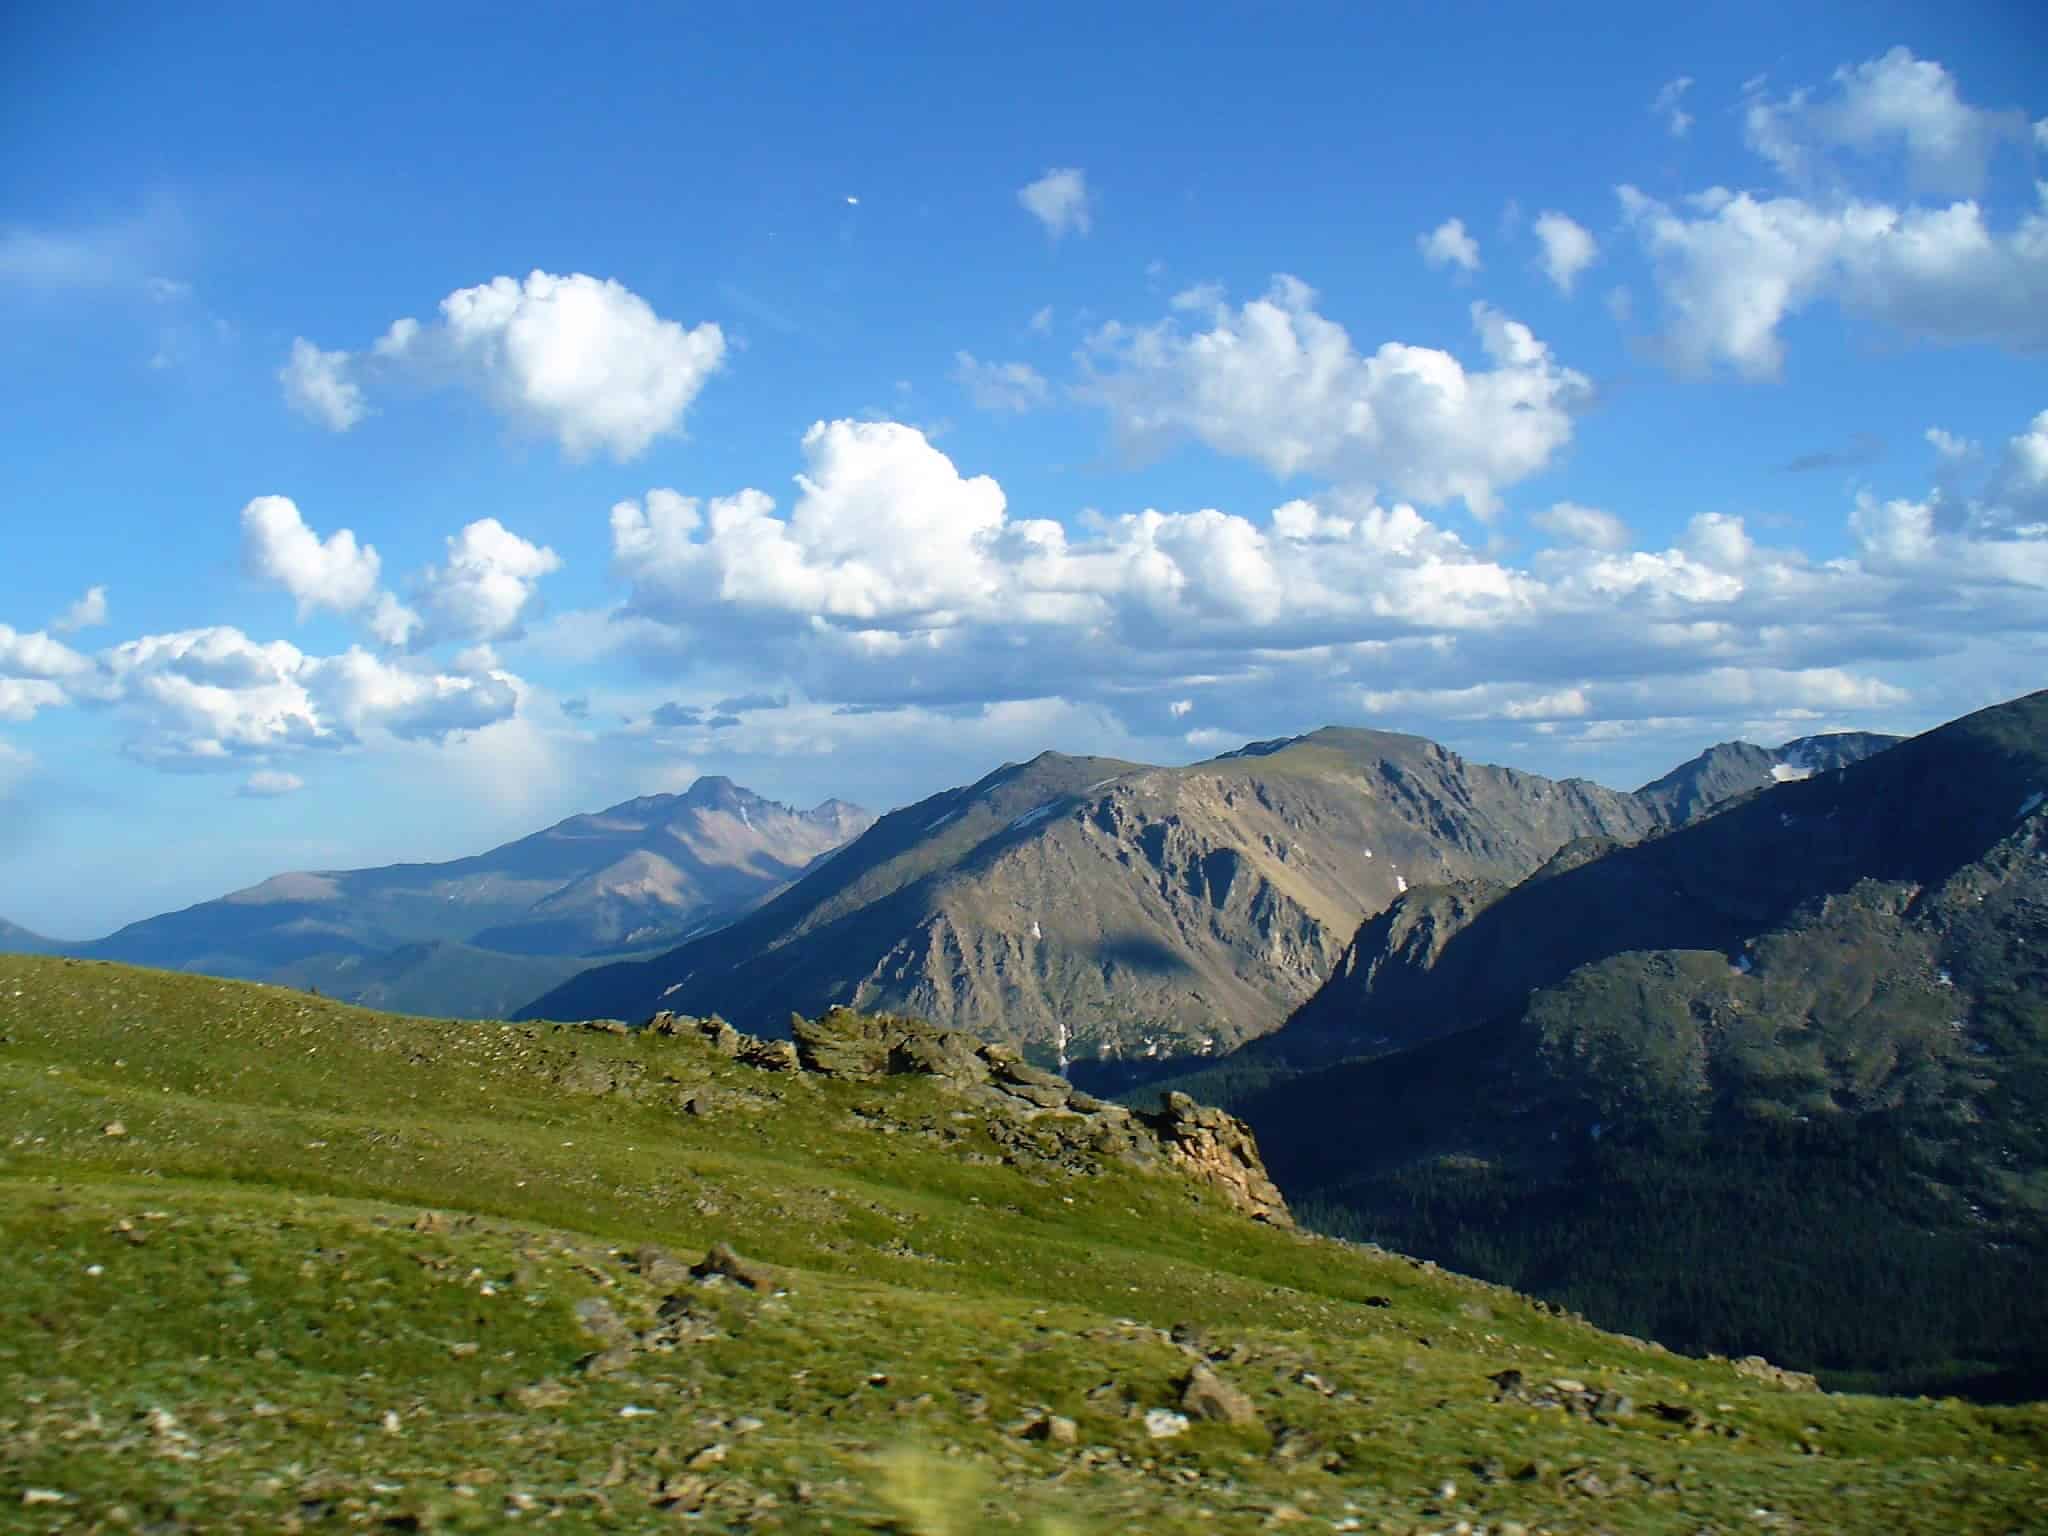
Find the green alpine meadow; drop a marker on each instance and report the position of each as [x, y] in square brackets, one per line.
[275, 1263]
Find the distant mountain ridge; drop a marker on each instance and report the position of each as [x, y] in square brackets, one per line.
[1737, 767]
[1086, 907]
[634, 875]
[1818, 1015]
[16, 939]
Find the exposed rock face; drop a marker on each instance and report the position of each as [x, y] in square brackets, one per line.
[1218, 1148]
[1206, 1145]
[1086, 907]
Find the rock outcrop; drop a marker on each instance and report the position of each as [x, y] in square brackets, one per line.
[1205, 1145]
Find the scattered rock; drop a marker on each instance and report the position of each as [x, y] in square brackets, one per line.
[721, 1262]
[1293, 1444]
[659, 1267]
[1164, 1423]
[770, 1056]
[1612, 1405]
[430, 1221]
[607, 1362]
[1205, 1395]
[1757, 1368]
[721, 1036]
[597, 1319]
[115, 1129]
[1034, 1085]
[1053, 1429]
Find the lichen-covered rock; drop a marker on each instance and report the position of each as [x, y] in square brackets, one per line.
[845, 1044]
[1219, 1149]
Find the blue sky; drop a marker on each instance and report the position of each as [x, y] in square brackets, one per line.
[403, 415]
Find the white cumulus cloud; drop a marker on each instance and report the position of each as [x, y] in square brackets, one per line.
[1017, 387]
[1589, 527]
[581, 359]
[321, 386]
[487, 585]
[279, 550]
[1948, 446]
[895, 582]
[1060, 201]
[1894, 102]
[1568, 248]
[1277, 382]
[1732, 268]
[270, 783]
[88, 612]
[1449, 246]
[212, 698]
[1677, 121]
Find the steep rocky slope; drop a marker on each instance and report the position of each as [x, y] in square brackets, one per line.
[1083, 907]
[636, 875]
[1829, 1000]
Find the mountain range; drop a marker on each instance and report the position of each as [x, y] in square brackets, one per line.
[477, 936]
[17, 940]
[1091, 908]
[1778, 1075]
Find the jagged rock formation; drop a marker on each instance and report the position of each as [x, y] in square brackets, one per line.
[1037, 1115]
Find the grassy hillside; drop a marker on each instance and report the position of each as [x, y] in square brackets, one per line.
[271, 1263]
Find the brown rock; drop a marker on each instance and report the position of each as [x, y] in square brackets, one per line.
[1218, 1148]
[722, 1262]
[768, 1055]
[1205, 1395]
[660, 1267]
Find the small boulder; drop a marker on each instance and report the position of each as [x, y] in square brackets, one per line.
[1164, 1423]
[1205, 1395]
[721, 1036]
[597, 1319]
[1034, 1085]
[722, 1263]
[768, 1055]
[660, 1267]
